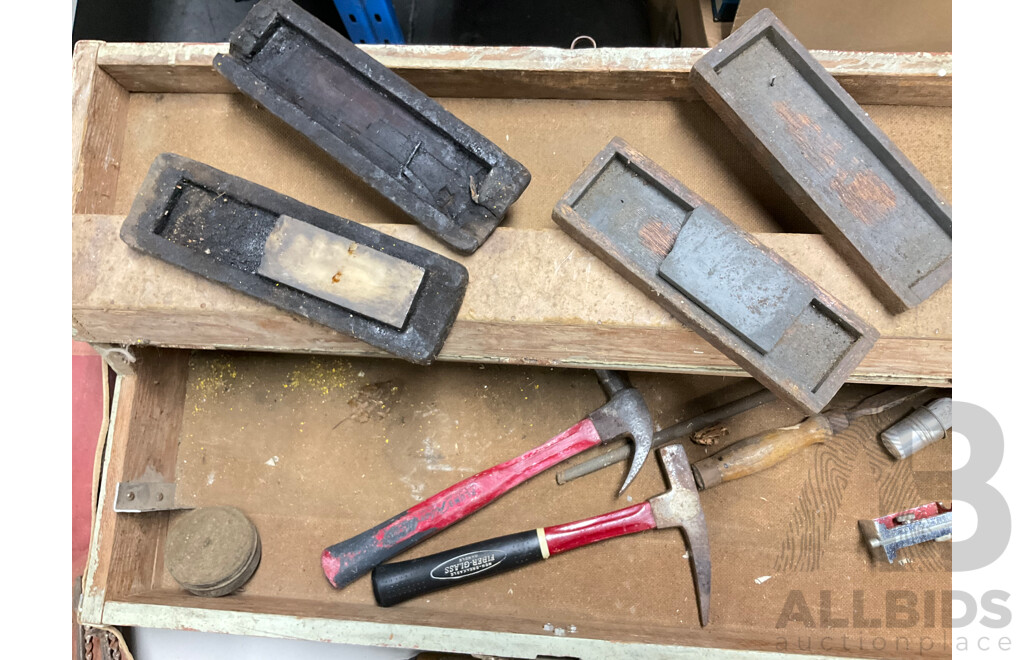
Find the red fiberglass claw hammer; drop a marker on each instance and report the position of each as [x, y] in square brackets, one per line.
[624, 414]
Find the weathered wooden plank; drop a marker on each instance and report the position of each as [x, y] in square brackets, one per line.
[101, 540]
[99, 107]
[141, 446]
[847, 176]
[753, 306]
[554, 304]
[535, 72]
[471, 636]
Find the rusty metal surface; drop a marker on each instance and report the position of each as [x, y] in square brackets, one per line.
[734, 280]
[630, 212]
[448, 177]
[856, 186]
[626, 414]
[216, 225]
[680, 507]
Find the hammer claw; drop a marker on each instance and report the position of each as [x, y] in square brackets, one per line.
[626, 414]
[641, 448]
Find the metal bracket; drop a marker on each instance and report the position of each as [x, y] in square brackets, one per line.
[144, 496]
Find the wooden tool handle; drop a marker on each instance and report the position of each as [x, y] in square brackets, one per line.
[760, 451]
[346, 561]
[398, 582]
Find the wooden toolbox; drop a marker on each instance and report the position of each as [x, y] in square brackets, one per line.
[317, 447]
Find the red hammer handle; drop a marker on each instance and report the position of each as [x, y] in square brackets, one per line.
[398, 582]
[636, 518]
[346, 561]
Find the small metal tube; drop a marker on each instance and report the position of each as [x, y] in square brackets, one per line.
[919, 429]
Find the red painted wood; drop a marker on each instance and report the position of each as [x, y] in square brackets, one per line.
[86, 419]
[636, 518]
[465, 497]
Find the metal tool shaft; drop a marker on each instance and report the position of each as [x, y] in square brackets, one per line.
[668, 435]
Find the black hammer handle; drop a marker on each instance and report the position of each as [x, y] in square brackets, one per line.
[394, 583]
[398, 582]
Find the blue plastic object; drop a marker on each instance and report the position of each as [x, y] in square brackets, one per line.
[370, 21]
[721, 10]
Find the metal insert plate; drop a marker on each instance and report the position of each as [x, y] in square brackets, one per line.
[734, 280]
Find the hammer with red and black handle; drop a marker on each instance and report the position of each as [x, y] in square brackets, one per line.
[624, 414]
[678, 507]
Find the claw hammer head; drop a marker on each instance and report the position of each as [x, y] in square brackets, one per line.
[680, 507]
[626, 414]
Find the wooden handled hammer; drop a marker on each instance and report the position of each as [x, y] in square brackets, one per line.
[625, 414]
[678, 507]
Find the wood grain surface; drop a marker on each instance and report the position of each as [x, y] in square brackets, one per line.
[515, 310]
[312, 448]
[510, 319]
[535, 72]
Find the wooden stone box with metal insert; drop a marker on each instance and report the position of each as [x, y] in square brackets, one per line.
[787, 332]
[353, 279]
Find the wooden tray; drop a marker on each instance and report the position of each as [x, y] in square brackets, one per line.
[316, 448]
[534, 296]
[189, 416]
